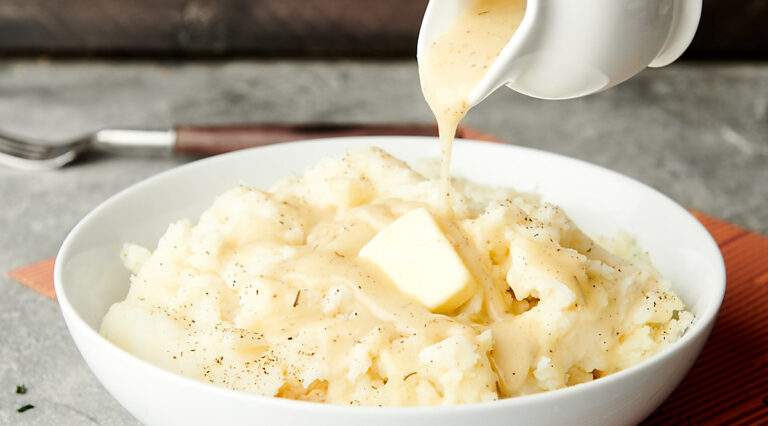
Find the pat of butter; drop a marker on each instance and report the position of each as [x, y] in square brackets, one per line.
[419, 259]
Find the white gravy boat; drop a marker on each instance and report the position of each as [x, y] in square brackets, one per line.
[570, 48]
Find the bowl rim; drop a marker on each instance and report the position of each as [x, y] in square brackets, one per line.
[701, 326]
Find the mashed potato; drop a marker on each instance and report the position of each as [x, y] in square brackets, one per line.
[267, 294]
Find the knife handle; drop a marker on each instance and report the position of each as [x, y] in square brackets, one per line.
[210, 140]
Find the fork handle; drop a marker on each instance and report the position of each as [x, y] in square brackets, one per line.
[210, 140]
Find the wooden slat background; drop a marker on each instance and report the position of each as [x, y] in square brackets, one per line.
[173, 28]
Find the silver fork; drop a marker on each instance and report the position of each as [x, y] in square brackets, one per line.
[28, 154]
[24, 153]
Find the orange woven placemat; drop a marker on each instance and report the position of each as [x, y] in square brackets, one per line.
[728, 383]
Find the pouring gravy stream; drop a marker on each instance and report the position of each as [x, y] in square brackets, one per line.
[457, 60]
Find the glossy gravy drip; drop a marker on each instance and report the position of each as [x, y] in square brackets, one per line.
[455, 63]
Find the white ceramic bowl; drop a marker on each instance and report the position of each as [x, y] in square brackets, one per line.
[89, 277]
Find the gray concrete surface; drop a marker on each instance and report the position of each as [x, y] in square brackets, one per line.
[698, 132]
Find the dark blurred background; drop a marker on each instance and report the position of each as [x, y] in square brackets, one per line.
[729, 29]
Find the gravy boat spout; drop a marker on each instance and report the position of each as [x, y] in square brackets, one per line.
[571, 48]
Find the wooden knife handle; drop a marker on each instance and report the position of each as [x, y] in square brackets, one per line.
[210, 140]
